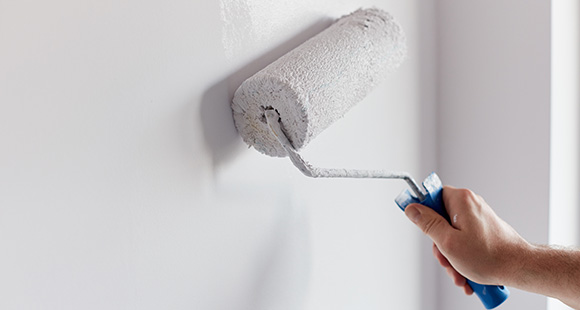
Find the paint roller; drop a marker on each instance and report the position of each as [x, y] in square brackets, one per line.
[283, 107]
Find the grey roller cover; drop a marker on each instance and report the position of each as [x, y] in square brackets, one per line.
[319, 81]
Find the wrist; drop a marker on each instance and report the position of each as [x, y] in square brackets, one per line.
[516, 263]
[549, 271]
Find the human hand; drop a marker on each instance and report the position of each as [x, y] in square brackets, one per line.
[477, 244]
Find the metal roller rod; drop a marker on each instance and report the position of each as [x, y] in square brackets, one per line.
[273, 119]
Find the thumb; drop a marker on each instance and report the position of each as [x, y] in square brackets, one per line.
[431, 223]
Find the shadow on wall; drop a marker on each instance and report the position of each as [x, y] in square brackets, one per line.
[215, 112]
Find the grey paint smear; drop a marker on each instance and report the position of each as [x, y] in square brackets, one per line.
[237, 26]
[254, 25]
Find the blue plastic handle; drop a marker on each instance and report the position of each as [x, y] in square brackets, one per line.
[490, 295]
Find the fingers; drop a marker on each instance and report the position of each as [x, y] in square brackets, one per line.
[467, 289]
[457, 278]
[462, 205]
[440, 258]
[431, 223]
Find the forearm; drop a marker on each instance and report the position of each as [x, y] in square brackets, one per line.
[550, 271]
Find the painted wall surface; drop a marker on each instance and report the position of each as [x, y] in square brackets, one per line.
[494, 116]
[124, 185]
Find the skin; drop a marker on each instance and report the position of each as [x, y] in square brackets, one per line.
[482, 247]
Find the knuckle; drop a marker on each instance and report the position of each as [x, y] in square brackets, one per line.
[466, 195]
[430, 225]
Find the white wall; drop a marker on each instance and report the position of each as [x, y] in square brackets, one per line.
[565, 129]
[494, 117]
[123, 184]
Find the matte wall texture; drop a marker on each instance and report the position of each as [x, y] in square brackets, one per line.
[124, 185]
[494, 117]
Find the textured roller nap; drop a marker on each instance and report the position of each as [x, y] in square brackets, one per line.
[318, 82]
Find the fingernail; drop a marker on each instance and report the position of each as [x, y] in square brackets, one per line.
[413, 214]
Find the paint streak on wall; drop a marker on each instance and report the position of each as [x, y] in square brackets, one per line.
[255, 24]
